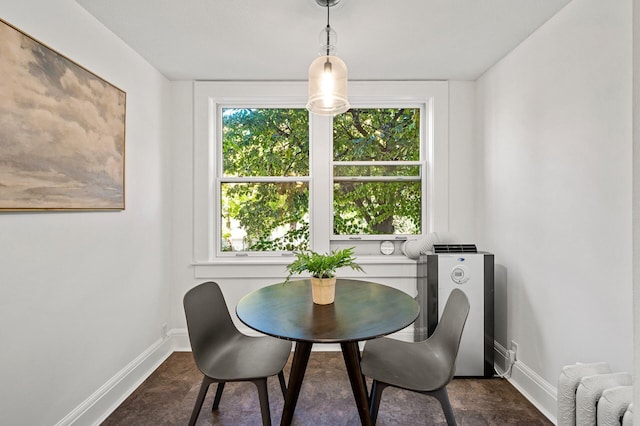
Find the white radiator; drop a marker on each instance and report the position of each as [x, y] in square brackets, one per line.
[591, 395]
[613, 404]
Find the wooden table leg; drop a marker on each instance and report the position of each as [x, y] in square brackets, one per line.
[298, 368]
[363, 378]
[351, 354]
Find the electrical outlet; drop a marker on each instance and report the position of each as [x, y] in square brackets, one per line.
[514, 349]
[163, 331]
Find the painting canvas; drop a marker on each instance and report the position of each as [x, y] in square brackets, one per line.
[62, 131]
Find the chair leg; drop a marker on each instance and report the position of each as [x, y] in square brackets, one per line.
[199, 400]
[216, 400]
[376, 395]
[261, 384]
[442, 396]
[283, 385]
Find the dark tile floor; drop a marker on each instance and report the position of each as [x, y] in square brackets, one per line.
[168, 395]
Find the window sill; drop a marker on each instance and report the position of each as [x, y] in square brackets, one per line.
[275, 267]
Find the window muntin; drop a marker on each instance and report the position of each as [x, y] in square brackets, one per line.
[374, 172]
[377, 172]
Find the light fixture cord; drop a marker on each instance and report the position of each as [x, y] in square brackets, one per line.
[328, 27]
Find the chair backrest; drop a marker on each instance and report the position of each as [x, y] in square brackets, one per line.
[208, 321]
[448, 333]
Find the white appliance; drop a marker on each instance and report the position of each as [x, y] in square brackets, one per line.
[473, 273]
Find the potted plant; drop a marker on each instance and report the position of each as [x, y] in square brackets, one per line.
[322, 268]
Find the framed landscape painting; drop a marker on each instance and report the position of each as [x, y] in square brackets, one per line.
[62, 131]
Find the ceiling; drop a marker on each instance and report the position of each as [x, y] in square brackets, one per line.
[278, 39]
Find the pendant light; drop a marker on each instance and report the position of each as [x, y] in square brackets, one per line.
[328, 74]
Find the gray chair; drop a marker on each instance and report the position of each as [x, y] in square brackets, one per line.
[425, 367]
[223, 354]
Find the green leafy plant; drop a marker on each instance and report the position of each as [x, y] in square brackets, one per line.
[322, 265]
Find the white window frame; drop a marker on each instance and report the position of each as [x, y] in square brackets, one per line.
[425, 143]
[210, 96]
[219, 171]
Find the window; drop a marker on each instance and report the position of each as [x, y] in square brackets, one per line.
[377, 172]
[270, 178]
[264, 183]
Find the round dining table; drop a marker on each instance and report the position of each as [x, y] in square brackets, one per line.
[361, 311]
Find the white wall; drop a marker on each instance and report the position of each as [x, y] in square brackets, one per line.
[636, 197]
[463, 162]
[182, 230]
[554, 123]
[236, 282]
[84, 294]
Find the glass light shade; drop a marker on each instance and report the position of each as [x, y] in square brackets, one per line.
[328, 39]
[328, 94]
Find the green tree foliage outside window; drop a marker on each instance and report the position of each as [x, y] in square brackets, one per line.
[265, 170]
[383, 196]
[260, 144]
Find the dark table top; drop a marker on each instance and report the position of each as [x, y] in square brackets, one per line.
[362, 310]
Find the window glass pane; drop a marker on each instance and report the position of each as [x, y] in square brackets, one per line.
[265, 216]
[265, 142]
[377, 208]
[377, 134]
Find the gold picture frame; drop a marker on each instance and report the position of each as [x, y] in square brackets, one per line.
[62, 131]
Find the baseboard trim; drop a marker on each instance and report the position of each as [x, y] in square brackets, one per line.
[541, 393]
[180, 340]
[97, 407]
[538, 391]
